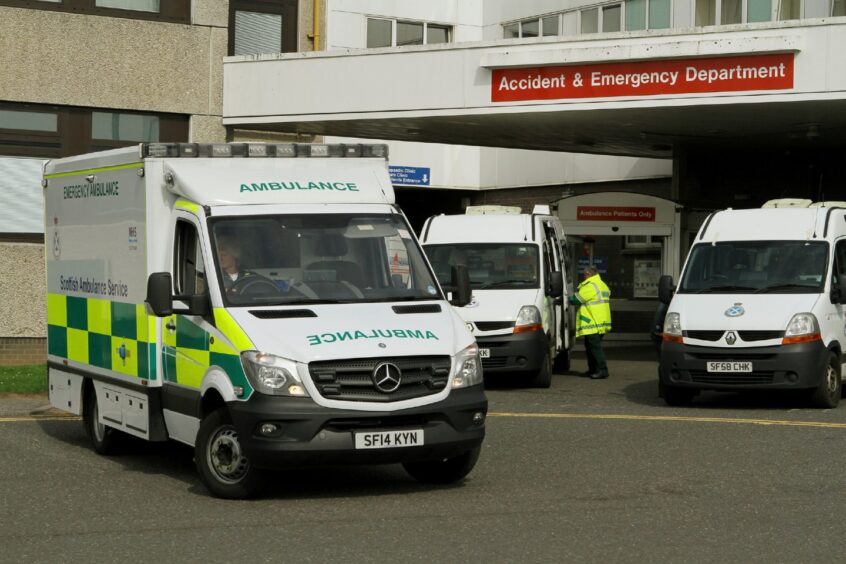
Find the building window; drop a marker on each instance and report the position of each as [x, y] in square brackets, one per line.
[611, 18]
[647, 14]
[606, 18]
[383, 32]
[262, 26]
[838, 8]
[709, 12]
[176, 11]
[533, 27]
[589, 20]
[790, 9]
[34, 130]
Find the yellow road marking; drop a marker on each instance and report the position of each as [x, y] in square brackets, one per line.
[39, 418]
[732, 420]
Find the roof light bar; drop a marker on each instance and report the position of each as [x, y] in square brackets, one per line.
[262, 150]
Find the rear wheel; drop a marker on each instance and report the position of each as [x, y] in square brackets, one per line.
[676, 397]
[444, 471]
[104, 439]
[221, 462]
[827, 394]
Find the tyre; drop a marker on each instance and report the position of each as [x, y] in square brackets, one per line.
[221, 463]
[543, 378]
[676, 397]
[446, 471]
[827, 394]
[104, 439]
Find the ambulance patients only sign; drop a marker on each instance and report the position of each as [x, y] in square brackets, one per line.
[644, 78]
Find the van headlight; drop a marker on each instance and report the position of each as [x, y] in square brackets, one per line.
[803, 328]
[468, 368]
[528, 319]
[272, 375]
[673, 329]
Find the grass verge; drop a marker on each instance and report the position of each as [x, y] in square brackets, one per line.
[23, 379]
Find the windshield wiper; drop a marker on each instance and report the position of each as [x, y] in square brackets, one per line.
[497, 283]
[724, 288]
[766, 289]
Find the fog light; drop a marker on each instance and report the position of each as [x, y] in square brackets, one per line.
[792, 377]
[521, 360]
[268, 429]
[674, 375]
[478, 418]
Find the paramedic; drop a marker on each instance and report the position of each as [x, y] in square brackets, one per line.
[593, 320]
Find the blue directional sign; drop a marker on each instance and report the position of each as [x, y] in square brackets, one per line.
[410, 175]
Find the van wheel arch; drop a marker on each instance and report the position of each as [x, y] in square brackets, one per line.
[212, 401]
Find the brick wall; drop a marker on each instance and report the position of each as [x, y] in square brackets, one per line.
[16, 351]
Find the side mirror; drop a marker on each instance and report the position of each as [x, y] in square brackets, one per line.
[838, 290]
[461, 292]
[159, 294]
[556, 284]
[666, 289]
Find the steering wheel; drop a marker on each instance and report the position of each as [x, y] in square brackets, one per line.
[254, 284]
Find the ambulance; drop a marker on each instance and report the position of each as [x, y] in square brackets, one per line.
[266, 304]
[760, 305]
[519, 271]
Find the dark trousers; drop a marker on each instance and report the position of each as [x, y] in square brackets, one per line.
[595, 356]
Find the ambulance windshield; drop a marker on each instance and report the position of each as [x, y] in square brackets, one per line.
[502, 266]
[319, 258]
[759, 267]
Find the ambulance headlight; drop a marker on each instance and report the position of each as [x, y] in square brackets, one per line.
[272, 375]
[468, 368]
[672, 325]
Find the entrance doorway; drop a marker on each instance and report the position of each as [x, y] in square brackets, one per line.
[632, 239]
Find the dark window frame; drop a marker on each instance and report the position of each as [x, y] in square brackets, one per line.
[285, 8]
[171, 11]
[74, 132]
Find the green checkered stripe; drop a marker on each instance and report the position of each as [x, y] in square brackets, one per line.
[102, 333]
[190, 350]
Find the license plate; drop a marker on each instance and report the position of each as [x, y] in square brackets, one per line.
[389, 439]
[732, 366]
[484, 353]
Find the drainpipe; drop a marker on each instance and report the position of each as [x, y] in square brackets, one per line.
[315, 34]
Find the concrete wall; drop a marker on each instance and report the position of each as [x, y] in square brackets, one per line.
[23, 303]
[93, 61]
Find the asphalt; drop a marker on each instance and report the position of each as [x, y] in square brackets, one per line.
[587, 471]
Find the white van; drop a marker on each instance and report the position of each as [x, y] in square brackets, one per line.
[518, 271]
[759, 305]
[266, 304]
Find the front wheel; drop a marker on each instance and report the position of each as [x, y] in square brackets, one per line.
[104, 439]
[543, 377]
[221, 463]
[444, 471]
[827, 394]
[676, 397]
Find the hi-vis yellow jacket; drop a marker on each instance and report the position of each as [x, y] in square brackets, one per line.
[594, 314]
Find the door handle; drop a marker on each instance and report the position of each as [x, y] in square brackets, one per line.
[170, 326]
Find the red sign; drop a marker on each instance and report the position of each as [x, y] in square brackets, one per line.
[609, 213]
[644, 78]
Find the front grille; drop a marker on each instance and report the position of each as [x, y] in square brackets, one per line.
[493, 325]
[735, 354]
[351, 380]
[735, 379]
[760, 335]
[419, 308]
[282, 313]
[377, 423]
[494, 362]
[704, 335]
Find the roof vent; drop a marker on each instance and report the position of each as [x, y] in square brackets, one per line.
[485, 210]
[787, 203]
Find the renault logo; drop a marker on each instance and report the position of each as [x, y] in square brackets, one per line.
[731, 338]
[386, 377]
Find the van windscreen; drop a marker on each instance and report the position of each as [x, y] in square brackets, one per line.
[746, 267]
[503, 266]
[319, 258]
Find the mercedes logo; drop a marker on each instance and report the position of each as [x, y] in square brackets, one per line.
[386, 377]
